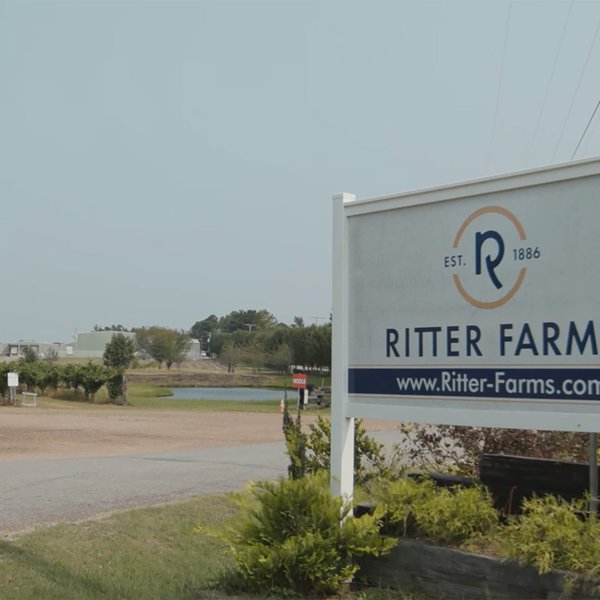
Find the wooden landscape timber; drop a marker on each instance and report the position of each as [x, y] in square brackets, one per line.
[442, 572]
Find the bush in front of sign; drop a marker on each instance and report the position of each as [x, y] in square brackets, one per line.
[370, 457]
[551, 534]
[310, 452]
[449, 516]
[288, 537]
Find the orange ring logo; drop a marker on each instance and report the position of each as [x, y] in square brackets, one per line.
[490, 264]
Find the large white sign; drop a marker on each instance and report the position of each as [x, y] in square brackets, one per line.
[473, 304]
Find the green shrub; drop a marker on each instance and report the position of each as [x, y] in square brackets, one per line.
[397, 501]
[93, 377]
[295, 442]
[115, 387]
[370, 460]
[454, 515]
[311, 452]
[449, 516]
[551, 534]
[288, 536]
[72, 376]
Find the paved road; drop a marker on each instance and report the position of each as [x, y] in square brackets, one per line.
[42, 491]
[37, 492]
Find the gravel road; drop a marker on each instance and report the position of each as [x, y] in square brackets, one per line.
[40, 491]
[60, 466]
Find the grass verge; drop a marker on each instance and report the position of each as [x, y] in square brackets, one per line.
[138, 554]
[150, 553]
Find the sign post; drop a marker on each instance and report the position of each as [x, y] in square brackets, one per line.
[13, 384]
[472, 304]
[593, 458]
[299, 382]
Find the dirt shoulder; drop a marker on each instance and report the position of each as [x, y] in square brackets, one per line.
[49, 433]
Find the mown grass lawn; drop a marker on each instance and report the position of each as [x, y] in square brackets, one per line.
[143, 554]
[139, 554]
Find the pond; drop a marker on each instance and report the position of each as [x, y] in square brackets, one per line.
[239, 393]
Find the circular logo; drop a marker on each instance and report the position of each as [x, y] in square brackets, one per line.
[490, 257]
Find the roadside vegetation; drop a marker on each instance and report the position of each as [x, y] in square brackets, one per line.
[164, 552]
[287, 538]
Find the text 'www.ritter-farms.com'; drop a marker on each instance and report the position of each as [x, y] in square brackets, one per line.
[501, 383]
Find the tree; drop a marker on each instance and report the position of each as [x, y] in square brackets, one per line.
[93, 377]
[51, 355]
[40, 374]
[164, 345]
[230, 355]
[247, 320]
[254, 357]
[112, 327]
[29, 354]
[5, 368]
[202, 329]
[118, 354]
[281, 359]
[312, 346]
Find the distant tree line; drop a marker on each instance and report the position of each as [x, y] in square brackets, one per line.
[111, 328]
[257, 340]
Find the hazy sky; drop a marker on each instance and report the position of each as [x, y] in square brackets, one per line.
[162, 161]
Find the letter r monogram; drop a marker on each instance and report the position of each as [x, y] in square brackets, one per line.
[490, 263]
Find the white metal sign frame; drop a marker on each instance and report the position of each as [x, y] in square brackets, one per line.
[470, 304]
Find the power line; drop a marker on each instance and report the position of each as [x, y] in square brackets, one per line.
[558, 51]
[587, 60]
[586, 129]
[498, 91]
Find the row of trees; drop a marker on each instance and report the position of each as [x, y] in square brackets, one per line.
[255, 338]
[42, 376]
[45, 374]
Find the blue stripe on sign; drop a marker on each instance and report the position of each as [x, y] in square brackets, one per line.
[531, 383]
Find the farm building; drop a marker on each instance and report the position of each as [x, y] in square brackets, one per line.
[86, 345]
